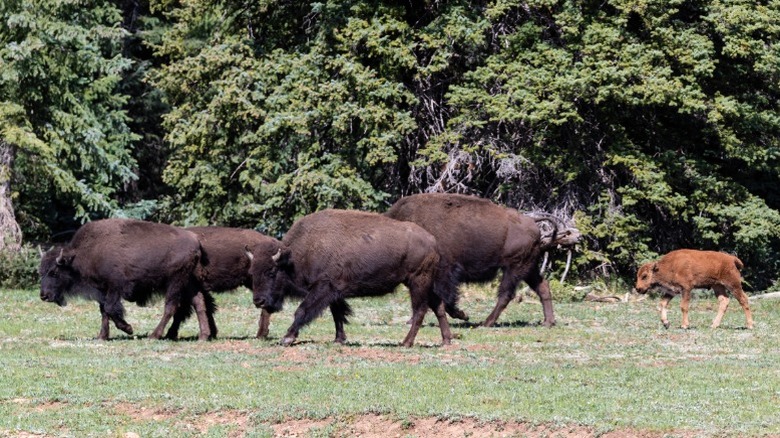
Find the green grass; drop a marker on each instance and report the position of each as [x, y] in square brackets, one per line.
[605, 366]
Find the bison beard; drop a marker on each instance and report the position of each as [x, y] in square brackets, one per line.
[680, 271]
[476, 238]
[332, 255]
[114, 259]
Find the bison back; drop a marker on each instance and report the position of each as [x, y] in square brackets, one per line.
[125, 250]
[471, 231]
[358, 251]
[224, 264]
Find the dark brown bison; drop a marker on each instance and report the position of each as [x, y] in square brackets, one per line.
[476, 238]
[224, 266]
[332, 255]
[114, 259]
[684, 269]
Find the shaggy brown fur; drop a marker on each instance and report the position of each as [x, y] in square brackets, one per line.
[476, 238]
[332, 255]
[224, 266]
[682, 270]
[114, 259]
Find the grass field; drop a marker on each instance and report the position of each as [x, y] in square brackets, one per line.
[604, 370]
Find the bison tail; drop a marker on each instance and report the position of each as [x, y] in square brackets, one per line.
[445, 287]
[738, 263]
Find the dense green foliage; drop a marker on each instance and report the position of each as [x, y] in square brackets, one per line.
[60, 67]
[654, 124]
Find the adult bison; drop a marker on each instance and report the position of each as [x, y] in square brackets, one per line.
[677, 272]
[224, 266]
[476, 238]
[114, 259]
[332, 255]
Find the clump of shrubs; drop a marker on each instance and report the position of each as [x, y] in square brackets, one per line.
[19, 268]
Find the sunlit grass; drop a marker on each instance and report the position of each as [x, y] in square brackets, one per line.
[608, 366]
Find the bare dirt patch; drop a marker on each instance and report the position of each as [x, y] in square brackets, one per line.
[376, 426]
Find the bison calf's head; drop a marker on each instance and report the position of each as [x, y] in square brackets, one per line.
[57, 276]
[270, 270]
[644, 278]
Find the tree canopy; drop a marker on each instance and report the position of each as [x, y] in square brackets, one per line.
[654, 125]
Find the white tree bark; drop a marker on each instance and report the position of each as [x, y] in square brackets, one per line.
[10, 232]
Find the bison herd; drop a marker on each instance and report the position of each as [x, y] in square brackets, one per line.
[428, 242]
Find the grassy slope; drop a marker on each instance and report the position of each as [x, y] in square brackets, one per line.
[604, 365]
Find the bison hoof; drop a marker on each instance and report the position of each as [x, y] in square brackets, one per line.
[458, 314]
[548, 324]
[287, 341]
[666, 325]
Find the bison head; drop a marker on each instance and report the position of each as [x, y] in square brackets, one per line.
[644, 278]
[270, 271]
[57, 275]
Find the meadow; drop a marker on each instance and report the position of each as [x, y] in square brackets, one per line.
[604, 370]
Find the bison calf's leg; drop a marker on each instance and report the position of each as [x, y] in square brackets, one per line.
[263, 324]
[663, 305]
[742, 298]
[685, 304]
[723, 304]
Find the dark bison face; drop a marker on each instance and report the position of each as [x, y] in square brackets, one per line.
[270, 276]
[644, 278]
[57, 276]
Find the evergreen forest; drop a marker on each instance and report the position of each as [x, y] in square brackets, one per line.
[650, 125]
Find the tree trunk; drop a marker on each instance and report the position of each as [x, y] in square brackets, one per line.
[10, 233]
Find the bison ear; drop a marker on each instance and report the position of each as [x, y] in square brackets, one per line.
[283, 258]
[655, 267]
[64, 259]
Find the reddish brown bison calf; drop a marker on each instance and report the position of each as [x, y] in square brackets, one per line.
[680, 271]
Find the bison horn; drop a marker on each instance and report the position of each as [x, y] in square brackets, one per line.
[276, 256]
[60, 260]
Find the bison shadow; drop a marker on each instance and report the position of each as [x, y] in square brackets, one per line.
[511, 324]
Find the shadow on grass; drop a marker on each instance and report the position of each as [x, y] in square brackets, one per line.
[512, 324]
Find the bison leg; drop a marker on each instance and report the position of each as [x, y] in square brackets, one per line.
[419, 307]
[742, 298]
[205, 320]
[506, 292]
[723, 304]
[168, 312]
[444, 325]
[263, 324]
[542, 289]
[113, 310]
[182, 313]
[340, 310]
[685, 304]
[311, 307]
[103, 335]
[664, 303]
